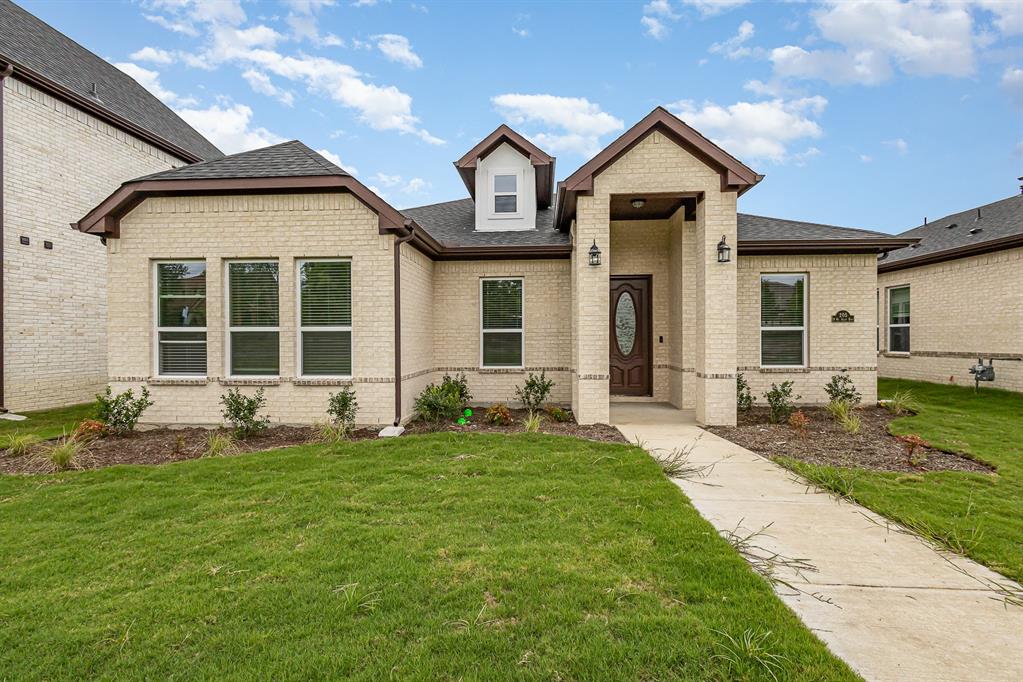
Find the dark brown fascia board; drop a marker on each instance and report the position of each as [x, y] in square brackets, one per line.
[1009, 242]
[542, 162]
[438, 251]
[766, 247]
[105, 219]
[65, 94]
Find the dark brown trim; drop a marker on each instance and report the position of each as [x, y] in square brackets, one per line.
[5, 72]
[96, 109]
[1009, 242]
[398, 241]
[735, 175]
[766, 247]
[542, 162]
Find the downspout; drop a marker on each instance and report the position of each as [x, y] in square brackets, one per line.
[398, 241]
[7, 70]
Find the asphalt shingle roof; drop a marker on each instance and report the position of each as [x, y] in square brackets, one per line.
[287, 159]
[453, 223]
[996, 221]
[757, 228]
[29, 42]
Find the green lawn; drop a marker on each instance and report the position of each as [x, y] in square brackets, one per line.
[50, 423]
[448, 556]
[978, 515]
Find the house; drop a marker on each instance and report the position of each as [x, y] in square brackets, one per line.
[955, 296]
[72, 126]
[634, 278]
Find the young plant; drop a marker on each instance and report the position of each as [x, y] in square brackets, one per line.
[750, 654]
[781, 400]
[911, 442]
[902, 402]
[19, 444]
[841, 388]
[63, 455]
[744, 397]
[242, 412]
[799, 422]
[535, 392]
[851, 423]
[458, 385]
[843, 413]
[121, 412]
[89, 429]
[532, 422]
[342, 408]
[498, 415]
[438, 403]
[557, 414]
[219, 444]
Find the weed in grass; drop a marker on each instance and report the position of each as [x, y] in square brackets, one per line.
[219, 444]
[19, 444]
[357, 600]
[676, 464]
[768, 563]
[749, 652]
[475, 624]
[902, 402]
[532, 422]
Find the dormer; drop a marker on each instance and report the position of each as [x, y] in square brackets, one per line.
[509, 178]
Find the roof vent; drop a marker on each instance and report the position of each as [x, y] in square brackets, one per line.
[915, 246]
[951, 225]
[975, 230]
[93, 94]
[978, 213]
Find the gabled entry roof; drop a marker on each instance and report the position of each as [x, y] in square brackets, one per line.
[542, 162]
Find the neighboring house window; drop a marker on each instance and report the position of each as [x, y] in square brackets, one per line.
[506, 193]
[325, 318]
[783, 320]
[501, 320]
[181, 318]
[898, 320]
[253, 319]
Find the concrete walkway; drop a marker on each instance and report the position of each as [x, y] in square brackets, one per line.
[899, 609]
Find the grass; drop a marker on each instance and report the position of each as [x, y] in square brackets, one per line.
[47, 424]
[448, 556]
[973, 514]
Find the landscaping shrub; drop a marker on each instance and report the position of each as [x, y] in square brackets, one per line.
[458, 385]
[219, 444]
[438, 403]
[498, 414]
[121, 412]
[558, 414]
[63, 455]
[744, 398]
[911, 442]
[841, 387]
[799, 421]
[781, 400]
[532, 422]
[851, 423]
[19, 444]
[242, 412]
[342, 408]
[89, 429]
[842, 411]
[535, 392]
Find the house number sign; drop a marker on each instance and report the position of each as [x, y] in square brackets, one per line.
[843, 316]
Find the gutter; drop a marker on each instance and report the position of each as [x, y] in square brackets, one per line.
[1009, 242]
[4, 73]
[398, 241]
[761, 247]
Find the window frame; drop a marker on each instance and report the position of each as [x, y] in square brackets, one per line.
[299, 351]
[229, 329]
[888, 320]
[157, 329]
[492, 188]
[521, 330]
[805, 328]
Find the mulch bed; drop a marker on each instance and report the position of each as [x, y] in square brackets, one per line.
[826, 443]
[161, 445]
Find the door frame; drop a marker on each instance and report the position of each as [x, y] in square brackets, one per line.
[649, 322]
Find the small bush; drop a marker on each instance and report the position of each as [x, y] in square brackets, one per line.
[800, 422]
[903, 402]
[532, 422]
[744, 398]
[89, 429]
[19, 444]
[841, 388]
[437, 403]
[179, 445]
[911, 442]
[242, 412]
[342, 408]
[458, 385]
[535, 392]
[781, 400]
[219, 444]
[498, 414]
[121, 412]
[851, 423]
[558, 414]
[843, 413]
[63, 455]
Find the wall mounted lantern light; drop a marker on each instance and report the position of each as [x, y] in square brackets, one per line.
[594, 254]
[724, 251]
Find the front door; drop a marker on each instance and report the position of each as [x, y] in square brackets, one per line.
[630, 335]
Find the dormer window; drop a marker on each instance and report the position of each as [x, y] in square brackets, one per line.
[506, 194]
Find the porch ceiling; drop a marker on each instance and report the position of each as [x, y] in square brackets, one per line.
[655, 207]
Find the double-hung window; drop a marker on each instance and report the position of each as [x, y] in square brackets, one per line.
[253, 318]
[181, 318]
[898, 320]
[325, 317]
[502, 338]
[783, 320]
[506, 193]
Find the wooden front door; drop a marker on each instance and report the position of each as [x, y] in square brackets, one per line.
[630, 317]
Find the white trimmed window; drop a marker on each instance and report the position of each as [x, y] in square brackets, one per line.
[898, 320]
[253, 318]
[325, 318]
[506, 193]
[181, 318]
[783, 320]
[502, 340]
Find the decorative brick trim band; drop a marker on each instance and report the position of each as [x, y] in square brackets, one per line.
[702, 375]
[177, 382]
[803, 370]
[673, 368]
[249, 382]
[953, 354]
[594, 377]
[322, 382]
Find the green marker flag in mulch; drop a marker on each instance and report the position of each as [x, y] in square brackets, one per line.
[461, 421]
[468, 412]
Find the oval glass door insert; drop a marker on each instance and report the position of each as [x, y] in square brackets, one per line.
[625, 323]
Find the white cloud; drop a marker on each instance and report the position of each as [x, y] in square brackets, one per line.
[262, 84]
[772, 88]
[303, 23]
[711, 7]
[387, 180]
[364, 3]
[866, 158]
[336, 160]
[397, 48]
[660, 8]
[735, 47]
[176, 26]
[520, 32]
[229, 127]
[655, 28]
[152, 54]
[150, 80]
[866, 67]
[416, 186]
[898, 144]
[1008, 15]
[309, 6]
[1012, 83]
[578, 123]
[758, 130]
[413, 186]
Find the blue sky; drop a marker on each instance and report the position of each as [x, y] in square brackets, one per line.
[866, 114]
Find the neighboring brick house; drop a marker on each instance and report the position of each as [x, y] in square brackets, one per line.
[955, 296]
[276, 268]
[73, 126]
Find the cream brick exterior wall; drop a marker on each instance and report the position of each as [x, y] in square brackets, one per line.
[417, 326]
[59, 162]
[834, 282]
[285, 227]
[959, 310]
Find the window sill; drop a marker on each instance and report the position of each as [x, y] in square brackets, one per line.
[896, 354]
[250, 381]
[322, 381]
[800, 369]
[501, 370]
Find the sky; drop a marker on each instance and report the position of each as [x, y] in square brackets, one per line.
[870, 114]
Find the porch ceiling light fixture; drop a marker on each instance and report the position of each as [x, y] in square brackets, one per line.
[724, 251]
[638, 203]
[594, 254]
